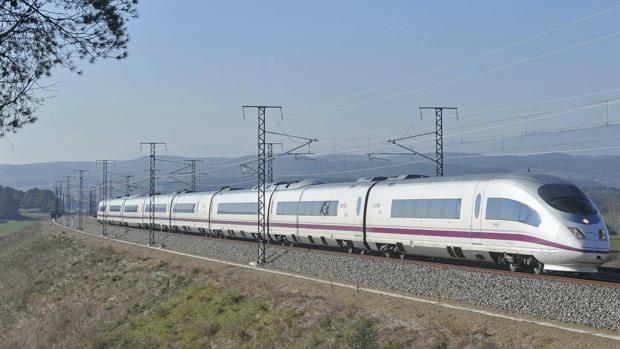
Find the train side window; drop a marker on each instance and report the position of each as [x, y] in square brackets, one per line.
[426, 208]
[511, 210]
[358, 207]
[477, 208]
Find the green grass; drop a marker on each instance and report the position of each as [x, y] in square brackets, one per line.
[204, 315]
[615, 243]
[11, 227]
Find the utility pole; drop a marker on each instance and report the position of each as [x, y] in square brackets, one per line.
[152, 146]
[128, 185]
[90, 202]
[104, 194]
[94, 203]
[55, 201]
[67, 199]
[80, 226]
[269, 173]
[61, 200]
[261, 176]
[439, 135]
[192, 165]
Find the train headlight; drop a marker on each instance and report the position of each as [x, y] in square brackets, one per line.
[602, 234]
[576, 232]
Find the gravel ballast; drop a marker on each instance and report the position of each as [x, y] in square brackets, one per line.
[593, 306]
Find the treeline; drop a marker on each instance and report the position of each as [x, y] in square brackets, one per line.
[608, 203]
[11, 200]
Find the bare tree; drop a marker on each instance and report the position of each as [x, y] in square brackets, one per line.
[37, 36]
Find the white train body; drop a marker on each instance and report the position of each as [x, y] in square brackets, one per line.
[521, 220]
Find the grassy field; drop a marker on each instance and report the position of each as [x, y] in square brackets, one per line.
[10, 227]
[615, 243]
[60, 290]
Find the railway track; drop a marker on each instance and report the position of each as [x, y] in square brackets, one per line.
[607, 277]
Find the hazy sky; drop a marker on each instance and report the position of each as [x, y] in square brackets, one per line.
[192, 64]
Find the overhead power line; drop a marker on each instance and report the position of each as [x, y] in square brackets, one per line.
[461, 78]
[463, 61]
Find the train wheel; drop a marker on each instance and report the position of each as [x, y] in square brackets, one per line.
[513, 267]
[402, 256]
[538, 268]
[387, 254]
[350, 249]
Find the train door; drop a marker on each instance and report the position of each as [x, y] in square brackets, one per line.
[360, 211]
[477, 213]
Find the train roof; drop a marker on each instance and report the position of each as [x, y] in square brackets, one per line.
[532, 178]
[528, 179]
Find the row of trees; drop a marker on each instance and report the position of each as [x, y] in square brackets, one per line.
[608, 202]
[11, 200]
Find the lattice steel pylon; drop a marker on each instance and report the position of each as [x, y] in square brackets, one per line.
[90, 202]
[192, 165]
[61, 200]
[261, 179]
[80, 226]
[152, 191]
[439, 136]
[55, 201]
[104, 194]
[269, 174]
[128, 184]
[67, 208]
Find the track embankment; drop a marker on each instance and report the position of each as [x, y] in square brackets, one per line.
[64, 289]
[534, 298]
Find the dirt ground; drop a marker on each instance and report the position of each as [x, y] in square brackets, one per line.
[108, 280]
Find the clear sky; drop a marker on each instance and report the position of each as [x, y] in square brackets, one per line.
[192, 64]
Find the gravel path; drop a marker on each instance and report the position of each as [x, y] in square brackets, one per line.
[593, 306]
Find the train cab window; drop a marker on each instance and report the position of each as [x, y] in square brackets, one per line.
[511, 210]
[566, 198]
[358, 207]
[477, 207]
[102, 208]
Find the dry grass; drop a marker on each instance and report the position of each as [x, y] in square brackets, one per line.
[58, 290]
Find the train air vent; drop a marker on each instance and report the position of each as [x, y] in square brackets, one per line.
[409, 176]
[451, 252]
[372, 179]
[311, 239]
[459, 252]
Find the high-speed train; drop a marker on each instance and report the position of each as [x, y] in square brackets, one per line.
[530, 222]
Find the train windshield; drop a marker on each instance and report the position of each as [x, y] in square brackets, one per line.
[567, 198]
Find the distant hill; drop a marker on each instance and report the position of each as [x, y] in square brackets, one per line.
[587, 171]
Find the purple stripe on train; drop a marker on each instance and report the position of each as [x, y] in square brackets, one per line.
[404, 231]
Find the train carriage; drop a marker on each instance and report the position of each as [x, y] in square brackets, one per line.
[234, 213]
[131, 211]
[422, 218]
[188, 212]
